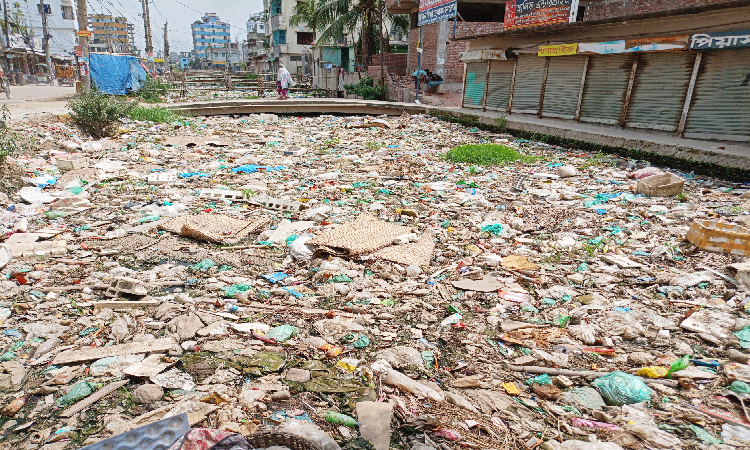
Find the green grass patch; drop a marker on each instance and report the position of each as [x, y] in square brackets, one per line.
[156, 114]
[487, 155]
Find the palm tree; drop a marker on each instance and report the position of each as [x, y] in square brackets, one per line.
[336, 18]
[305, 13]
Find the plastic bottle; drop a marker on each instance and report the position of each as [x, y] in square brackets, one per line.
[343, 419]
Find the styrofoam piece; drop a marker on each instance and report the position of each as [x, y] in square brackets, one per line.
[159, 435]
[75, 162]
[222, 194]
[269, 118]
[294, 151]
[5, 255]
[125, 285]
[161, 177]
[275, 203]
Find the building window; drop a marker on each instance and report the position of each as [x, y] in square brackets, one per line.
[295, 58]
[275, 7]
[304, 38]
[67, 12]
[47, 9]
[279, 37]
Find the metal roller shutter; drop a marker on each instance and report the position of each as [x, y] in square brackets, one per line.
[529, 79]
[721, 101]
[659, 90]
[606, 86]
[498, 86]
[563, 86]
[476, 77]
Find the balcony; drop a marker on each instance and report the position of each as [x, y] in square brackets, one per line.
[278, 22]
[401, 6]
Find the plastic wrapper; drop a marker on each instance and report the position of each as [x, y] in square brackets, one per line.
[653, 372]
[680, 364]
[619, 388]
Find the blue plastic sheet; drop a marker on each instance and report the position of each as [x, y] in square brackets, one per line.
[116, 74]
[252, 168]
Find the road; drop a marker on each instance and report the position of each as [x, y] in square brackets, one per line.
[33, 99]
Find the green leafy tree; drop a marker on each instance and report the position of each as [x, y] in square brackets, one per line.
[332, 19]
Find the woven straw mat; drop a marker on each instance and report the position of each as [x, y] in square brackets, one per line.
[214, 227]
[417, 253]
[364, 234]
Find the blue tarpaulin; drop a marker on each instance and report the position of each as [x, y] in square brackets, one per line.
[116, 74]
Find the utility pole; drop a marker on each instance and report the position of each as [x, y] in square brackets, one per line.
[8, 55]
[83, 41]
[381, 5]
[149, 44]
[166, 46]
[46, 36]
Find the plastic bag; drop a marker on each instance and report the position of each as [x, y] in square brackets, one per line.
[619, 388]
[739, 387]
[80, 390]
[282, 333]
[541, 379]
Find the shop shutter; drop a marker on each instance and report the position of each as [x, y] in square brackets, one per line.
[721, 101]
[606, 86]
[659, 90]
[476, 77]
[563, 86]
[529, 79]
[498, 89]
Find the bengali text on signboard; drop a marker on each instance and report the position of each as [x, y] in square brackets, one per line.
[719, 41]
[431, 11]
[558, 50]
[534, 13]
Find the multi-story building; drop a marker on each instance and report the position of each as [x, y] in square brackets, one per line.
[61, 25]
[673, 67]
[256, 45]
[292, 45]
[211, 38]
[111, 34]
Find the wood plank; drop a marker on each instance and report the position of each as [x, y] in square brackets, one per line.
[133, 348]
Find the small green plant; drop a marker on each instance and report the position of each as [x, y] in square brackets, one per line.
[153, 89]
[250, 96]
[98, 114]
[681, 197]
[156, 114]
[251, 77]
[367, 90]
[502, 121]
[8, 144]
[373, 145]
[487, 155]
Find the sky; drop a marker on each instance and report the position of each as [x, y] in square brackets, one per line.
[180, 14]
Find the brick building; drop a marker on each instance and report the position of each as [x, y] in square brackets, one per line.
[673, 67]
[440, 49]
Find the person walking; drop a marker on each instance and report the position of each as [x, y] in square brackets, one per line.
[283, 82]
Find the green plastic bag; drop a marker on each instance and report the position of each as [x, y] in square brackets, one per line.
[429, 359]
[619, 388]
[203, 265]
[282, 333]
[680, 364]
[80, 390]
[230, 291]
[541, 379]
[739, 387]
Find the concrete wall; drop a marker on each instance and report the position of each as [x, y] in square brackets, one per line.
[623, 8]
[454, 68]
